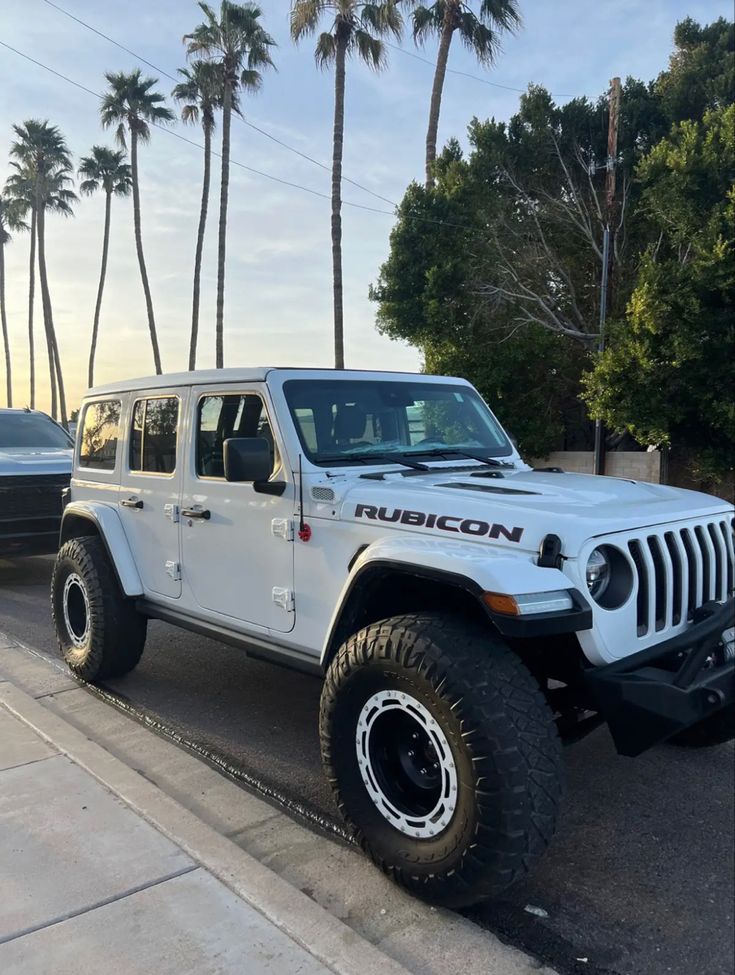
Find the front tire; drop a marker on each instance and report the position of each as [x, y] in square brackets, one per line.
[443, 756]
[716, 729]
[100, 633]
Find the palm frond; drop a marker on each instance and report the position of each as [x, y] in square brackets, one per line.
[325, 50]
[427, 21]
[478, 38]
[503, 15]
[382, 18]
[251, 80]
[370, 49]
[305, 16]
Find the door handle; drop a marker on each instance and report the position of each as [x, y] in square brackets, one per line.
[204, 513]
[132, 503]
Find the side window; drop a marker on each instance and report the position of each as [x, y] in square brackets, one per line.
[222, 416]
[153, 435]
[100, 431]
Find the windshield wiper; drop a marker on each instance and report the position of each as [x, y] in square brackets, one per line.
[374, 459]
[471, 454]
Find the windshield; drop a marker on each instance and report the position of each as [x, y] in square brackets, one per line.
[31, 430]
[348, 420]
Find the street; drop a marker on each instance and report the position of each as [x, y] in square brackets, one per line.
[638, 881]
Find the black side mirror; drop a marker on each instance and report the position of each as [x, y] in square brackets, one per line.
[247, 459]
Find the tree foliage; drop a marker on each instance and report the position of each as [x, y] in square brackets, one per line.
[495, 271]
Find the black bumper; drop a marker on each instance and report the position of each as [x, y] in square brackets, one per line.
[650, 696]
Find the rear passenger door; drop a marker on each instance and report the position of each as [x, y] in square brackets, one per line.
[150, 487]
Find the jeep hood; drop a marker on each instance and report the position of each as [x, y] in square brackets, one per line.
[526, 503]
[35, 460]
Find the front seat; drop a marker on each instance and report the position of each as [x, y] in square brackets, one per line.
[349, 426]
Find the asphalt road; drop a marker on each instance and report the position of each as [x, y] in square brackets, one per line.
[639, 879]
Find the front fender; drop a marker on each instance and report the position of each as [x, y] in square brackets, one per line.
[473, 567]
[106, 521]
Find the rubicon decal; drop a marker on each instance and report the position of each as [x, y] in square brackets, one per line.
[447, 523]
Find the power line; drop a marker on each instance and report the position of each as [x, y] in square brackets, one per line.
[251, 125]
[465, 74]
[235, 162]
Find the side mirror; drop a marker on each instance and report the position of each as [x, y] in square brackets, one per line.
[247, 459]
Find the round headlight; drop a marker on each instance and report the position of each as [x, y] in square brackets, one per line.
[598, 573]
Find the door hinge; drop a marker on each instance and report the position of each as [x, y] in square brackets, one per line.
[283, 598]
[173, 569]
[171, 511]
[282, 528]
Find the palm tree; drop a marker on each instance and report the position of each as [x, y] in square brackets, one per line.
[200, 95]
[356, 28]
[105, 169]
[20, 190]
[479, 32]
[41, 158]
[132, 106]
[10, 222]
[238, 43]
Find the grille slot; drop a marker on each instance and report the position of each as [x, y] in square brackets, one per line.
[678, 571]
[26, 496]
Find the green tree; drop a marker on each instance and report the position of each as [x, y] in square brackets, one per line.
[200, 95]
[133, 107]
[668, 374]
[480, 33]
[11, 221]
[238, 43]
[42, 161]
[105, 169]
[356, 28]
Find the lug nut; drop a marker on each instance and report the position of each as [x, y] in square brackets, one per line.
[411, 753]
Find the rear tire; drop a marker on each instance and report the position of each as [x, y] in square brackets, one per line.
[713, 730]
[443, 755]
[100, 633]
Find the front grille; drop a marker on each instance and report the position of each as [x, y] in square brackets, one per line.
[30, 496]
[679, 570]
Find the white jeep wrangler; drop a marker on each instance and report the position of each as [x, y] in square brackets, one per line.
[468, 613]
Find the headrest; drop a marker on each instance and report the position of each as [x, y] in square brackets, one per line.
[349, 423]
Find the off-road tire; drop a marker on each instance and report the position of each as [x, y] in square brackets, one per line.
[501, 735]
[114, 638]
[713, 730]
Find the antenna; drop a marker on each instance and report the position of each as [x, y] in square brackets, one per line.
[304, 529]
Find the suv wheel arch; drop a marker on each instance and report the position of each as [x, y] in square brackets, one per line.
[82, 519]
[382, 588]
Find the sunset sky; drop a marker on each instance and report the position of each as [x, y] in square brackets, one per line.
[278, 290]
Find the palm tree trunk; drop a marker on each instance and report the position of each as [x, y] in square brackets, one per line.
[222, 245]
[200, 245]
[31, 299]
[100, 289]
[54, 358]
[46, 304]
[139, 250]
[3, 318]
[337, 146]
[436, 93]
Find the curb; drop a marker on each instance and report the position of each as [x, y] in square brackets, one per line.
[323, 935]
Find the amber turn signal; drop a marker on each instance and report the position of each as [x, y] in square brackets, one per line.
[501, 603]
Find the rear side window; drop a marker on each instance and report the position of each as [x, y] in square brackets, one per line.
[100, 432]
[153, 435]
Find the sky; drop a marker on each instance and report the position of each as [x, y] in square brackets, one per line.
[278, 296]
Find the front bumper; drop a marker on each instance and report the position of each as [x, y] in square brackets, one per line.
[650, 696]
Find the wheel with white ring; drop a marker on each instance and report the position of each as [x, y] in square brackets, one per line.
[443, 755]
[100, 633]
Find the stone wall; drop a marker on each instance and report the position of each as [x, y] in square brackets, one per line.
[636, 465]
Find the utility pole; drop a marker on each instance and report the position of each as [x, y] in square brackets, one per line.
[608, 246]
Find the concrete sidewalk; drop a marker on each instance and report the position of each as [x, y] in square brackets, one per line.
[88, 886]
[123, 853]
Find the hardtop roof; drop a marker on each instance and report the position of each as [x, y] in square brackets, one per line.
[203, 377]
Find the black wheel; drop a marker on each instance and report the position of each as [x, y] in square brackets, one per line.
[713, 730]
[99, 631]
[443, 756]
